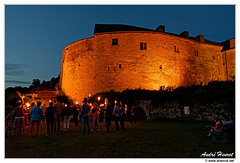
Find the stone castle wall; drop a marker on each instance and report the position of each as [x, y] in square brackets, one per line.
[229, 64]
[95, 65]
[196, 112]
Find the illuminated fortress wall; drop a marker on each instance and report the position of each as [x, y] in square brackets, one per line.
[140, 58]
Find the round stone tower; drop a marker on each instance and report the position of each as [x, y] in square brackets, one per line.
[121, 57]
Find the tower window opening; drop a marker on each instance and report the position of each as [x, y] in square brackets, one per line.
[115, 41]
[196, 53]
[176, 49]
[143, 45]
[120, 65]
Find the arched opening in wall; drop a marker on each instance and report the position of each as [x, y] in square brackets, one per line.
[120, 65]
[140, 114]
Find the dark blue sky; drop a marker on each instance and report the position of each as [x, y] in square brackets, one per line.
[35, 35]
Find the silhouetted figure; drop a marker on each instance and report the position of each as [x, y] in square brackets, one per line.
[94, 115]
[75, 115]
[132, 116]
[50, 118]
[30, 109]
[58, 107]
[108, 114]
[85, 111]
[18, 127]
[67, 112]
[122, 115]
[116, 116]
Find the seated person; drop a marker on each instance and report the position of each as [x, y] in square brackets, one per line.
[217, 128]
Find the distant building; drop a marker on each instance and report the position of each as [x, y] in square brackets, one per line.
[122, 56]
[46, 95]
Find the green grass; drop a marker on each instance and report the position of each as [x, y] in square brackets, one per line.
[146, 139]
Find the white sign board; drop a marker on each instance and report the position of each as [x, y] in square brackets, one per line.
[186, 110]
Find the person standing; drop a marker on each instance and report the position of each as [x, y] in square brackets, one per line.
[44, 111]
[29, 115]
[122, 115]
[108, 114]
[58, 109]
[94, 115]
[132, 116]
[85, 111]
[36, 115]
[26, 112]
[67, 112]
[116, 116]
[50, 118]
[75, 114]
[18, 129]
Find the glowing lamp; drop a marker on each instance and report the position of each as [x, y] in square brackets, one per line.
[27, 104]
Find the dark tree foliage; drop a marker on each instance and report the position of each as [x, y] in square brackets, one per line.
[214, 92]
[45, 85]
[11, 93]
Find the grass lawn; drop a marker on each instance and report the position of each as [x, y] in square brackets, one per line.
[146, 139]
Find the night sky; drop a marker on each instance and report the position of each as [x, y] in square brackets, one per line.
[35, 35]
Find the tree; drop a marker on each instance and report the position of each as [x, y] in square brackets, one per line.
[11, 94]
[36, 83]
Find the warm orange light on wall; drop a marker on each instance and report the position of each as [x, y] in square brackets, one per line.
[165, 61]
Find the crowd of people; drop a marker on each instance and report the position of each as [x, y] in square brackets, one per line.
[89, 115]
[56, 113]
